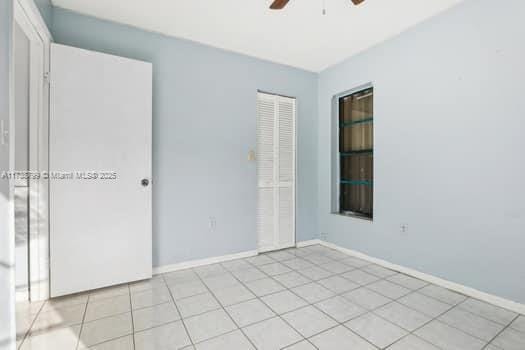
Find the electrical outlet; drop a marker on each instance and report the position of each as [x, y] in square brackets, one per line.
[213, 223]
[403, 228]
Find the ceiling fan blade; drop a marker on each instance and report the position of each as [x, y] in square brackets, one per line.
[279, 4]
[357, 2]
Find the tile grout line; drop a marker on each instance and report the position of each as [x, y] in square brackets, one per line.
[323, 312]
[317, 281]
[178, 311]
[434, 318]
[392, 300]
[367, 311]
[142, 308]
[340, 294]
[474, 314]
[467, 297]
[170, 294]
[222, 306]
[280, 316]
[500, 332]
[83, 321]
[380, 278]
[27, 333]
[453, 306]
[123, 313]
[412, 291]
[335, 295]
[110, 340]
[385, 278]
[413, 335]
[372, 311]
[313, 304]
[100, 299]
[308, 304]
[132, 320]
[277, 314]
[483, 317]
[338, 324]
[106, 317]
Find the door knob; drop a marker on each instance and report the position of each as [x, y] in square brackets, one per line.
[144, 182]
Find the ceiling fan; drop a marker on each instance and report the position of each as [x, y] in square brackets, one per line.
[280, 4]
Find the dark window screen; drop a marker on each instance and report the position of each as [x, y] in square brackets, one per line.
[356, 150]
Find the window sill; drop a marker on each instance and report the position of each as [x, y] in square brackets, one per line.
[354, 216]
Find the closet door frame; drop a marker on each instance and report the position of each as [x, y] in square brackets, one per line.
[276, 184]
[27, 15]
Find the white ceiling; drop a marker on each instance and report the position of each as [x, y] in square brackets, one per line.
[298, 36]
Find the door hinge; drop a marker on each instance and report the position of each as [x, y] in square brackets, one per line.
[47, 78]
[4, 133]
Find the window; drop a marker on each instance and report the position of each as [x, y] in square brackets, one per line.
[356, 153]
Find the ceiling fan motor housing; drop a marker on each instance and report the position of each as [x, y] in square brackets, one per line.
[280, 4]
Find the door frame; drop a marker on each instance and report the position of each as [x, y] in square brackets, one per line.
[28, 17]
[296, 169]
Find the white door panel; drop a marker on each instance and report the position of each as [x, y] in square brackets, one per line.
[275, 171]
[265, 141]
[286, 217]
[100, 121]
[265, 218]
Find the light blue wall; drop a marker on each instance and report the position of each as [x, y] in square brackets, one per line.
[449, 131]
[46, 10]
[204, 109]
[448, 139]
[7, 239]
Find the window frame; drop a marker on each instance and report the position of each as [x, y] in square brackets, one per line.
[335, 154]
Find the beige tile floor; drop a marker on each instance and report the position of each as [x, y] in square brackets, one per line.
[298, 299]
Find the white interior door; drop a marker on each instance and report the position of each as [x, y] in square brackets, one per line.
[100, 126]
[275, 171]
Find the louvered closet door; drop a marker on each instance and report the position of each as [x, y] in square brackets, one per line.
[275, 172]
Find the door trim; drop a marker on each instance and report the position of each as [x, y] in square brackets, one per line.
[27, 16]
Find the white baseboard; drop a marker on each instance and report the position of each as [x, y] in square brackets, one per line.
[195, 263]
[218, 259]
[471, 292]
[303, 244]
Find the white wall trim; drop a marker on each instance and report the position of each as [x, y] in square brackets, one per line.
[27, 15]
[195, 263]
[303, 244]
[468, 291]
[32, 12]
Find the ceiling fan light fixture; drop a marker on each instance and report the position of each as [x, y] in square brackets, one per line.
[278, 4]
